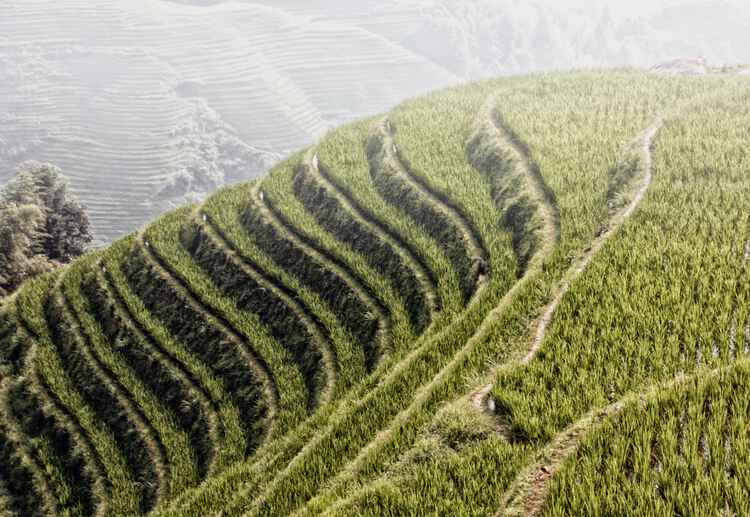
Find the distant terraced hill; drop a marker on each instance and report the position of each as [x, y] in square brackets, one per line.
[147, 104]
[520, 296]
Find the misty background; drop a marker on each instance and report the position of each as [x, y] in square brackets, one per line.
[147, 104]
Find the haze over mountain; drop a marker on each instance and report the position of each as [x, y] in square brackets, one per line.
[146, 104]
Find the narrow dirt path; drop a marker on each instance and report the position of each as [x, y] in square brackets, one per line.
[385, 234]
[283, 229]
[548, 240]
[479, 397]
[302, 312]
[535, 479]
[528, 493]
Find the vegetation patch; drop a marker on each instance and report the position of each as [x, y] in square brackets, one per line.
[520, 296]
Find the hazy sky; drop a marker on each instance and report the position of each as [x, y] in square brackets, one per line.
[146, 104]
[629, 7]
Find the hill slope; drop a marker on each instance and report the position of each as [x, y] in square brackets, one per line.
[524, 296]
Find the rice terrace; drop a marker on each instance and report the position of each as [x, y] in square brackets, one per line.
[520, 296]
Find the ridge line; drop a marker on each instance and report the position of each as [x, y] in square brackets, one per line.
[527, 494]
[425, 391]
[273, 217]
[479, 397]
[157, 450]
[645, 141]
[298, 307]
[423, 274]
[249, 356]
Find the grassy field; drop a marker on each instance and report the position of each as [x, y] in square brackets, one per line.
[524, 296]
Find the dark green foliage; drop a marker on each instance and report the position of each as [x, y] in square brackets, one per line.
[281, 320]
[12, 347]
[160, 380]
[18, 482]
[19, 233]
[96, 393]
[332, 216]
[340, 297]
[65, 232]
[41, 225]
[62, 451]
[211, 346]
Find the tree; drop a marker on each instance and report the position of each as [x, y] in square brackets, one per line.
[42, 225]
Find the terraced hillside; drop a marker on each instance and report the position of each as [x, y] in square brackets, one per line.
[521, 296]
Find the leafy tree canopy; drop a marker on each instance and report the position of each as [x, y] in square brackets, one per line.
[42, 224]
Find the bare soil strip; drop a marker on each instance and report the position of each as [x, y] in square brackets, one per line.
[301, 311]
[550, 231]
[479, 397]
[424, 393]
[528, 493]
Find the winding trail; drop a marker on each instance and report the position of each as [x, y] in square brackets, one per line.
[284, 229]
[251, 360]
[548, 239]
[408, 256]
[528, 492]
[472, 241]
[479, 397]
[297, 307]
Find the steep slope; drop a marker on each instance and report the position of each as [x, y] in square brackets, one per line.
[432, 311]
